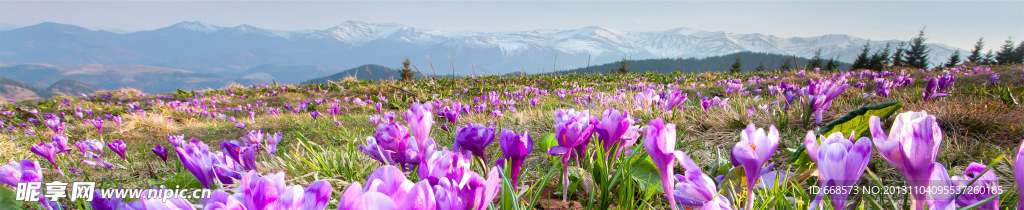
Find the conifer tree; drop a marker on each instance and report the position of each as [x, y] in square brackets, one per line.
[1019, 52]
[1006, 53]
[953, 59]
[990, 59]
[880, 59]
[785, 65]
[624, 66]
[897, 58]
[736, 67]
[816, 61]
[976, 52]
[862, 60]
[406, 72]
[832, 64]
[760, 68]
[917, 54]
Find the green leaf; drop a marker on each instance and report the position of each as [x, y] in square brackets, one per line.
[1008, 98]
[646, 175]
[183, 180]
[546, 142]
[7, 199]
[185, 94]
[856, 121]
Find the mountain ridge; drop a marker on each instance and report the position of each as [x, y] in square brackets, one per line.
[208, 48]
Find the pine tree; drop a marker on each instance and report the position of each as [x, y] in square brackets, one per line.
[760, 68]
[862, 60]
[1006, 54]
[624, 66]
[917, 55]
[816, 61]
[990, 59]
[1019, 52]
[897, 58]
[832, 64]
[736, 67]
[880, 59]
[406, 72]
[785, 65]
[976, 52]
[953, 59]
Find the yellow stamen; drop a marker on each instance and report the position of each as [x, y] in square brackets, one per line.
[753, 147]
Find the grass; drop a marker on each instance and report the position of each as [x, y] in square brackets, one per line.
[977, 126]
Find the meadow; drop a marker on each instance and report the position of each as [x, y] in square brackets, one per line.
[800, 139]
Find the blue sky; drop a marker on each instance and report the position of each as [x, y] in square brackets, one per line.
[956, 23]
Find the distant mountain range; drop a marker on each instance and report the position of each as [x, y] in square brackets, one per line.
[11, 89]
[230, 51]
[154, 79]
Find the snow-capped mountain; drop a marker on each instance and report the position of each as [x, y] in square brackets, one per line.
[204, 47]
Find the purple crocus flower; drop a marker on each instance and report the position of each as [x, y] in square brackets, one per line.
[706, 104]
[18, 172]
[100, 203]
[54, 124]
[225, 169]
[940, 180]
[841, 162]
[160, 151]
[931, 90]
[95, 145]
[911, 145]
[696, 190]
[253, 137]
[820, 94]
[753, 151]
[993, 78]
[452, 115]
[660, 143]
[385, 186]
[196, 157]
[269, 192]
[220, 200]
[980, 190]
[391, 140]
[445, 164]
[117, 121]
[247, 157]
[98, 123]
[61, 142]
[673, 98]
[48, 151]
[883, 87]
[1018, 172]
[335, 109]
[617, 128]
[240, 125]
[272, 142]
[314, 114]
[95, 160]
[475, 139]
[420, 118]
[946, 82]
[118, 147]
[572, 130]
[515, 147]
[176, 141]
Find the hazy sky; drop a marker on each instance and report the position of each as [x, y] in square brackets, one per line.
[956, 23]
